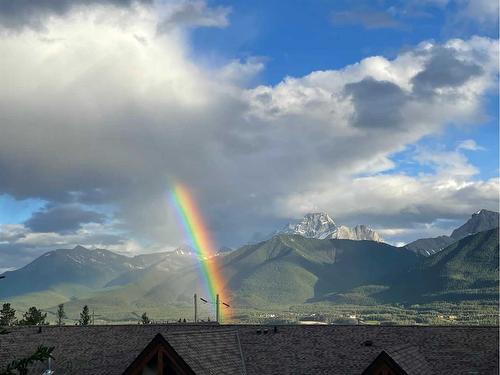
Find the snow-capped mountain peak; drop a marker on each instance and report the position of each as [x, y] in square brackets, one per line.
[313, 225]
[320, 225]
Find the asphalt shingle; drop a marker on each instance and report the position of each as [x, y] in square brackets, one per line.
[213, 349]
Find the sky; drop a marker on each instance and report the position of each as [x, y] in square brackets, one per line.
[382, 113]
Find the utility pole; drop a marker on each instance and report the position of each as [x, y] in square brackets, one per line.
[217, 308]
[195, 308]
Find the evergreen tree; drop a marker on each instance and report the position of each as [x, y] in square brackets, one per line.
[145, 319]
[34, 317]
[60, 314]
[84, 316]
[7, 315]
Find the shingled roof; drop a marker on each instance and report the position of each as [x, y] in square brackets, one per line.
[410, 359]
[111, 349]
[403, 360]
[348, 350]
[259, 350]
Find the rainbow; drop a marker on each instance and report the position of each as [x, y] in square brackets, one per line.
[196, 232]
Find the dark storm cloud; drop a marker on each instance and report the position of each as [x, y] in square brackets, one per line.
[369, 19]
[444, 69]
[17, 14]
[377, 103]
[62, 219]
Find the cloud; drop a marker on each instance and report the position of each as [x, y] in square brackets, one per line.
[376, 103]
[444, 69]
[242, 73]
[482, 11]
[369, 19]
[399, 205]
[453, 165]
[97, 117]
[469, 145]
[11, 232]
[15, 14]
[193, 13]
[459, 15]
[63, 219]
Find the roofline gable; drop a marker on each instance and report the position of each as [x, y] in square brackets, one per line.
[385, 358]
[158, 345]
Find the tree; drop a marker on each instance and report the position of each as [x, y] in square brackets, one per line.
[84, 316]
[34, 317]
[7, 315]
[60, 314]
[145, 319]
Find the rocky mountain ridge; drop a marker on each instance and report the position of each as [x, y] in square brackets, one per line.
[321, 226]
[479, 221]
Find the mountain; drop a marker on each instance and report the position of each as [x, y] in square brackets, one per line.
[146, 260]
[429, 246]
[156, 264]
[321, 226]
[292, 270]
[313, 225]
[358, 232]
[90, 268]
[472, 262]
[224, 250]
[480, 221]
[283, 271]
[289, 269]
[467, 269]
[87, 269]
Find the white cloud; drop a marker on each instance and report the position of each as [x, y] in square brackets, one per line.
[241, 73]
[469, 145]
[11, 233]
[481, 11]
[450, 164]
[405, 206]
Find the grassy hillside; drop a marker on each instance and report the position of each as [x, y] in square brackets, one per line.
[292, 269]
[467, 269]
[470, 263]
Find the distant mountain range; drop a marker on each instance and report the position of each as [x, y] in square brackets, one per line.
[321, 226]
[480, 221]
[288, 269]
[88, 268]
